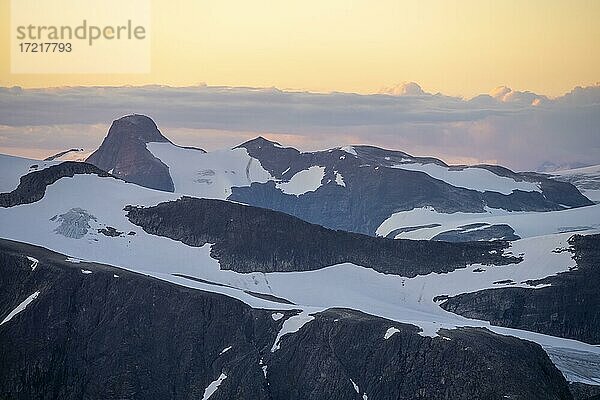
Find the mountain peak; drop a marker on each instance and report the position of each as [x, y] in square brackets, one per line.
[124, 153]
[136, 126]
[258, 142]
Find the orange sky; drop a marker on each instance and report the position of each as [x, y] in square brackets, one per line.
[454, 47]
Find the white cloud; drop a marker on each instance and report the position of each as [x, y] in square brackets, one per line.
[505, 94]
[518, 129]
[404, 89]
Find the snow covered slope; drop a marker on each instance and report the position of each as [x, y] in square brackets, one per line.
[84, 217]
[474, 178]
[12, 168]
[426, 223]
[209, 175]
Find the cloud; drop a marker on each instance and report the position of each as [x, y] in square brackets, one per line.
[404, 89]
[505, 94]
[519, 129]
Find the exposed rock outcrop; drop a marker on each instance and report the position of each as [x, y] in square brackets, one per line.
[569, 307]
[123, 153]
[375, 187]
[113, 334]
[249, 239]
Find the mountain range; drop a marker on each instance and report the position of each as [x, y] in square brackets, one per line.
[153, 270]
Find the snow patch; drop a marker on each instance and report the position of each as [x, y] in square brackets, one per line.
[526, 224]
[209, 175]
[214, 385]
[305, 181]
[339, 179]
[263, 367]
[20, 307]
[390, 332]
[474, 178]
[276, 316]
[115, 276]
[291, 325]
[73, 260]
[349, 150]
[225, 350]
[86, 271]
[357, 390]
[34, 262]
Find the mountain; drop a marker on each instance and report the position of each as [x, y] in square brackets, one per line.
[549, 166]
[360, 189]
[96, 331]
[74, 154]
[567, 297]
[586, 179]
[140, 293]
[124, 154]
[266, 272]
[363, 186]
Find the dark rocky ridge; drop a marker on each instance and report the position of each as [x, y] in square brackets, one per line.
[134, 337]
[374, 189]
[474, 232]
[62, 153]
[123, 152]
[569, 308]
[249, 239]
[582, 391]
[32, 186]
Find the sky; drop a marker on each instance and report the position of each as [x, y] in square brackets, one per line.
[507, 82]
[456, 47]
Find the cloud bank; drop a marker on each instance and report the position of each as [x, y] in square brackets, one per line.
[519, 129]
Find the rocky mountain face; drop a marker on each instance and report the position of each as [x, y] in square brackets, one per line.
[247, 239]
[569, 307]
[123, 153]
[360, 186]
[73, 152]
[95, 331]
[586, 179]
[376, 185]
[584, 392]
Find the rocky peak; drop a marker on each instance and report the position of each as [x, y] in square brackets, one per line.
[259, 142]
[135, 127]
[123, 153]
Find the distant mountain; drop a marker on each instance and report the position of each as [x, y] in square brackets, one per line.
[586, 179]
[123, 153]
[352, 188]
[549, 166]
[75, 154]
